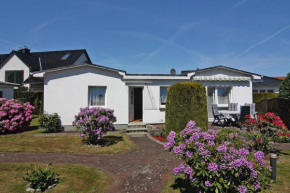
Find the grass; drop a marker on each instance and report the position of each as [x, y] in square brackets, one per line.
[282, 185]
[73, 178]
[62, 144]
[24, 142]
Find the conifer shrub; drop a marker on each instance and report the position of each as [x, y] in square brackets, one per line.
[284, 89]
[185, 101]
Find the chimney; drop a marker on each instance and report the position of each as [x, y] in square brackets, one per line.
[24, 50]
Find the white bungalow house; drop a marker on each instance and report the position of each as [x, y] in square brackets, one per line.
[136, 96]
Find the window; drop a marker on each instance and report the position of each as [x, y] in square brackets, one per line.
[65, 57]
[1, 94]
[262, 90]
[270, 91]
[163, 95]
[223, 95]
[14, 76]
[97, 96]
[255, 91]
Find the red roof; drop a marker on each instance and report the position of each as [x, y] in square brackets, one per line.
[280, 77]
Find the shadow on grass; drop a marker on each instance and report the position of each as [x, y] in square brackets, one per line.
[183, 186]
[30, 128]
[108, 141]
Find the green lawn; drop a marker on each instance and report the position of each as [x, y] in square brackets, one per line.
[281, 186]
[24, 142]
[73, 178]
[62, 144]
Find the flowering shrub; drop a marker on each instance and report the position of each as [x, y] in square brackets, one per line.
[93, 123]
[283, 137]
[268, 126]
[215, 163]
[14, 115]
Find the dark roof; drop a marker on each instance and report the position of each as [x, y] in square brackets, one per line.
[33, 80]
[9, 84]
[37, 61]
[30, 60]
[220, 66]
[79, 65]
[50, 60]
[268, 81]
[3, 57]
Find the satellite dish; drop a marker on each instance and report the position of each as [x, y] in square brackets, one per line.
[173, 71]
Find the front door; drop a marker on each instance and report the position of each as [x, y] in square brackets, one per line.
[135, 104]
[138, 104]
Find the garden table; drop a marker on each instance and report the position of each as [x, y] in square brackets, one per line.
[231, 117]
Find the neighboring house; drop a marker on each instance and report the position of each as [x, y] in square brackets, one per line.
[136, 96]
[7, 89]
[18, 66]
[267, 84]
[280, 77]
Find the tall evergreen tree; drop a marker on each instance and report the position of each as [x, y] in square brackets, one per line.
[284, 89]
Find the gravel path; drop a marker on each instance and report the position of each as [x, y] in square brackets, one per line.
[143, 169]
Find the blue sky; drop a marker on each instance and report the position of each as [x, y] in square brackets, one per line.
[142, 36]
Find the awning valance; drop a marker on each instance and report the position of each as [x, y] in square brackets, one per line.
[221, 78]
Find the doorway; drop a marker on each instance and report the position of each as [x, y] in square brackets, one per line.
[136, 104]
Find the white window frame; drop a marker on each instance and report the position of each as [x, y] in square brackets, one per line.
[216, 95]
[161, 105]
[89, 101]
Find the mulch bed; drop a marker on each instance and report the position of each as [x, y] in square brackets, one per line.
[160, 138]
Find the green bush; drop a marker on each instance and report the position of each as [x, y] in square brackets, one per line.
[185, 101]
[284, 89]
[258, 97]
[40, 178]
[51, 123]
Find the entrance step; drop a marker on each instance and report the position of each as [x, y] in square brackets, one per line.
[136, 128]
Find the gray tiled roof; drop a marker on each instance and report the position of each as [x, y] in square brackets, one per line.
[268, 81]
[33, 80]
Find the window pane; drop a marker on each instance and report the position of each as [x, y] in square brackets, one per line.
[19, 77]
[262, 90]
[255, 91]
[223, 95]
[163, 95]
[210, 101]
[9, 76]
[1, 94]
[97, 96]
[270, 91]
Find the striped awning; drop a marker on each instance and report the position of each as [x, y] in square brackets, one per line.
[221, 78]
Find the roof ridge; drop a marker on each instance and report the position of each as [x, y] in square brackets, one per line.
[61, 51]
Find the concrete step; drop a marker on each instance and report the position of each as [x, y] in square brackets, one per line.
[136, 129]
[137, 133]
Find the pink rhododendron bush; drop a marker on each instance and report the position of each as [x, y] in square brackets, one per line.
[14, 115]
[218, 162]
[94, 123]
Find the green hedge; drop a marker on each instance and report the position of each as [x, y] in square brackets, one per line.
[34, 98]
[185, 101]
[258, 97]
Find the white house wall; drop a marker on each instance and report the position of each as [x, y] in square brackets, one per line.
[66, 91]
[241, 91]
[156, 115]
[8, 91]
[274, 88]
[14, 64]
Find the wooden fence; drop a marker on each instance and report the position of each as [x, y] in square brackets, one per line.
[280, 106]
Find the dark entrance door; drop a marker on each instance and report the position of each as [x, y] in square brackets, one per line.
[138, 103]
